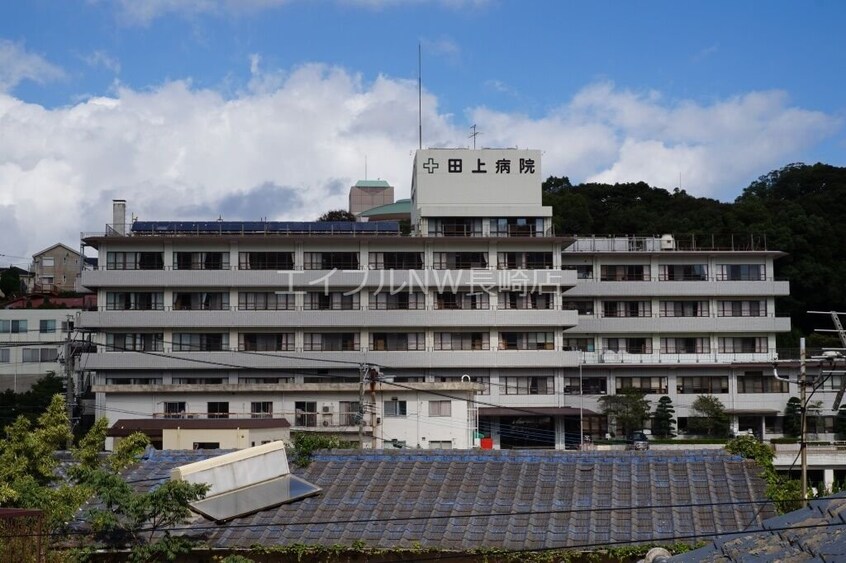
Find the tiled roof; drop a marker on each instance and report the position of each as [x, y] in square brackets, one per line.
[814, 533]
[446, 499]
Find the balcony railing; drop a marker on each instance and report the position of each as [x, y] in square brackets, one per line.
[669, 243]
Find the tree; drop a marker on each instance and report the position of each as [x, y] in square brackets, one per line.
[662, 420]
[840, 423]
[29, 479]
[782, 491]
[793, 417]
[709, 417]
[337, 215]
[628, 409]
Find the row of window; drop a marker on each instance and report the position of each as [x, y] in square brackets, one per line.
[31, 355]
[305, 412]
[416, 341]
[670, 272]
[340, 300]
[145, 260]
[45, 326]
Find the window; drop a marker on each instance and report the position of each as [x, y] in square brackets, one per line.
[135, 261]
[201, 301]
[395, 260]
[455, 227]
[480, 300]
[134, 301]
[200, 342]
[174, 409]
[395, 407]
[397, 341]
[579, 345]
[643, 384]
[331, 301]
[200, 260]
[218, 409]
[741, 272]
[349, 413]
[683, 272]
[524, 260]
[5, 356]
[265, 260]
[634, 272]
[708, 385]
[742, 345]
[757, 382]
[36, 355]
[581, 306]
[266, 342]
[261, 409]
[686, 345]
[13, 327]
[683, 309]
[583, 271]
[629, 345]
[591, 385]
[135, 342]
[305, 413]
[265, 301]
[48, 262]
[440, 408]
[460, 260]
[46, 326]
[440, 444]
[517, 227]
[526, 340]
[462, 341]
[742, 308]
[397, 301]
[523, 300]
[331, 341]
[544, 385]
[330, 260]
[627, 308]
[206, 445]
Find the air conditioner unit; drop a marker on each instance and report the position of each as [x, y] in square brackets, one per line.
[327, 409]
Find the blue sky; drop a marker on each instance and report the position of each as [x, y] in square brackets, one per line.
[249, 108]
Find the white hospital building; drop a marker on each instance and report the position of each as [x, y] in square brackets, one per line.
[481, 322]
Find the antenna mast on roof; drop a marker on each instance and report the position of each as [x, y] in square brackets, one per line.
[420, 95]
[474, 134]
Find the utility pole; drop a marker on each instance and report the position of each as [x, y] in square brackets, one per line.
[803, 443]
[372, 375]
[69, 368]
[363, 368]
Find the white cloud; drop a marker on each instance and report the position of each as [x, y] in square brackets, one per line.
[609, 135]
[143, 12]
[103, 59]
[291, 143]
[17, 64]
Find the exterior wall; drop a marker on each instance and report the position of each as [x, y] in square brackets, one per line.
[365, 197]
[17, 374]
[56, 269]
[229, 439]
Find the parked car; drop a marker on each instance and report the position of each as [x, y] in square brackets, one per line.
[637, 441]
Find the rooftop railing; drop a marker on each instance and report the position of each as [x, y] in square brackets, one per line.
[669, 243]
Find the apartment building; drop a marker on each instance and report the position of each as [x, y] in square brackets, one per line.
[483, 319]
[55, 269]
[30, 344]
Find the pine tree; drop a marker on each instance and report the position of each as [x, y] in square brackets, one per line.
[663, 421]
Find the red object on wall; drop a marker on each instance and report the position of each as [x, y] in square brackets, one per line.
[487, 443]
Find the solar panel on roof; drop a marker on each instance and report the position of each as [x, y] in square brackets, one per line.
[252, 499]
[292, 227]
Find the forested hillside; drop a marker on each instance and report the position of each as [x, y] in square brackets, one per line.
[801, 210]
